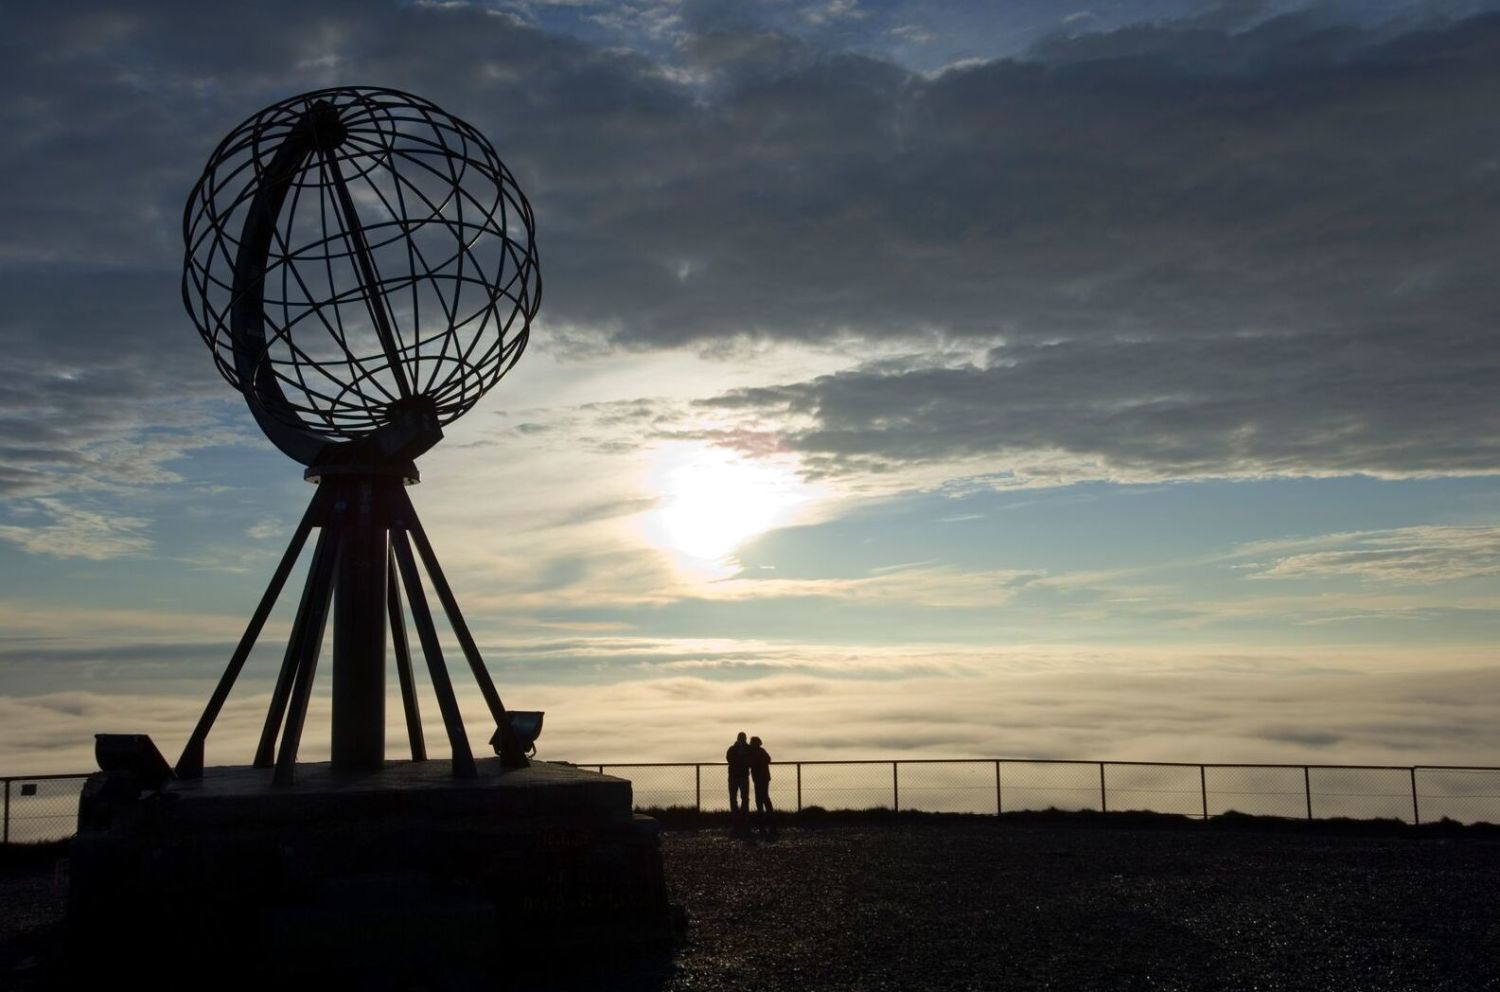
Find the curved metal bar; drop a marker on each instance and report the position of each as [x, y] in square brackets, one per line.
[370, 283]
[272, 411]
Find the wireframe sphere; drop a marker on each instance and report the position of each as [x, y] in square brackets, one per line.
[356, 252]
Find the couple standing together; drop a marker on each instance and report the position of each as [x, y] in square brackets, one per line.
[747, 763]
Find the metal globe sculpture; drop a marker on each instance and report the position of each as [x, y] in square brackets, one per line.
[363, 268]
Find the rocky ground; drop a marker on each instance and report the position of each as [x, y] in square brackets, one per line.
[1071, 903]
[981, 905]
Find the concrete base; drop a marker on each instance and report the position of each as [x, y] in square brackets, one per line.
[363, 876]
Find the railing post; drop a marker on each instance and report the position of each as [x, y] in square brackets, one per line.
[1203, 786]
[1307, 785]
[1103, 796]
[999, 805]
[698, 788]
[799, 786]
[601, 769]
[1416, 812]
[7, 813]
[895, 788]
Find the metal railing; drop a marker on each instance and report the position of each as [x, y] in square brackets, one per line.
[45, 807]
[40, 807]
[1410, 793]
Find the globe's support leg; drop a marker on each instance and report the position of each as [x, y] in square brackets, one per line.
[362, 560]
[307, 611]
[359, 632]
[307, 643]
[421, 616]
[511, 754]
[403, 661]
[190, 765]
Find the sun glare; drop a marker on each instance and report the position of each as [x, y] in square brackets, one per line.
[713, 500]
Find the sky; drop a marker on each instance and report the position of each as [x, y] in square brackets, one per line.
[1110, 380]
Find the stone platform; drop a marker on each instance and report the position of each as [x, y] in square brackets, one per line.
[364, 877]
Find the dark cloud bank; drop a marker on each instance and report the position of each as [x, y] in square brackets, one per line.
[1179, 249]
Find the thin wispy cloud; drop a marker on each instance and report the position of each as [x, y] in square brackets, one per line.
[1407, 555]
[67, 531]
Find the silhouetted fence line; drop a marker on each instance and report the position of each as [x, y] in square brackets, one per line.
[45, 807]
[41, 807]
[1410, 793]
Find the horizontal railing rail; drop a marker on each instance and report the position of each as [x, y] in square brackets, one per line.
[1412, 793]
[45, 807]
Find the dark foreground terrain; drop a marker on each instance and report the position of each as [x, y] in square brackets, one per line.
[1062, 903]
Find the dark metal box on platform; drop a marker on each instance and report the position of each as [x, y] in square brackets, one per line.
[366, 874]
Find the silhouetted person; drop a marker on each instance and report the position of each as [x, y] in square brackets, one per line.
[738, 759]
[760, 774]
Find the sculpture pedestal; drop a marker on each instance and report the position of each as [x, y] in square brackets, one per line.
[400, 874]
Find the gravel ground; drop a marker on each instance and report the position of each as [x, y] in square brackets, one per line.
[981, 905]
[956, 903]
[33, 896]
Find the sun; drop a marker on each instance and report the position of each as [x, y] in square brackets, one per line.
[712, 500]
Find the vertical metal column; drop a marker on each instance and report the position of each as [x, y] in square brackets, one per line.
[1307, 787]
[359, 607]
[698, 788]
[999, 803]
[1203, 786]
[895, 788]
[6, 838]
[1416, 813]
[799, 786]
[1103, 795]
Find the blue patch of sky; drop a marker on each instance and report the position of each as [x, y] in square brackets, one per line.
[1097, 526]
[197, 533]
